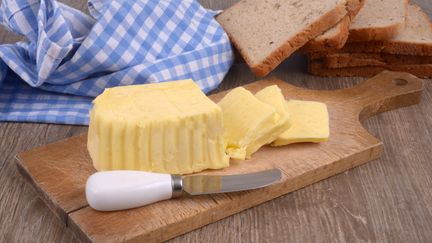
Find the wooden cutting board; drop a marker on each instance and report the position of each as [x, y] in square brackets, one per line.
[59, 171]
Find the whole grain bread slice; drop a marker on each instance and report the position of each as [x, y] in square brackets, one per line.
[268, 31]
[414, 39]
[378, 20]
[317, 68]
[335, 37]
[342, 60]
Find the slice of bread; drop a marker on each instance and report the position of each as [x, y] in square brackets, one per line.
[342, 60]
[414, 39]
[378, 20]
[335, 37]
[317, 68]
[266, 32]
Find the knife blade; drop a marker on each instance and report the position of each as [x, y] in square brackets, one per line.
[206, 184]
[123, 189]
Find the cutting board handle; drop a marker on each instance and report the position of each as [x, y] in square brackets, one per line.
[385, 91]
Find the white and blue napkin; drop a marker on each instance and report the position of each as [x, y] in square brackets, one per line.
[69, 57]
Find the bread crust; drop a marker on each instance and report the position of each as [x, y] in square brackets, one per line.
[348, 60]
[271, 61]
[317, 68]
[339, 38]
[336, 41]
[389, 47]
[396, 47]
[278, 55]
[377, 33]
[342, 60]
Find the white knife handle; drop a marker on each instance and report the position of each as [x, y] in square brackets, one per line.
[123, 189]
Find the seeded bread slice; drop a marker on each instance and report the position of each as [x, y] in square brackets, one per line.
[342, 60]
[378, 20]
[419, 70]
[266, 32]
[414, 39]
[335, 37]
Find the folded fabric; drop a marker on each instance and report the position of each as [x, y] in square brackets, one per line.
[69, 57]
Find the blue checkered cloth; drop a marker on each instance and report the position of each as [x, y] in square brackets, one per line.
[69, 57]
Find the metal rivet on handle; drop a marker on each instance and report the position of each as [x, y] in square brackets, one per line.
[177, 185]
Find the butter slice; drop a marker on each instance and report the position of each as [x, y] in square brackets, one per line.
[249, 123]
[272, 95]
[169, 127]
[310, 123]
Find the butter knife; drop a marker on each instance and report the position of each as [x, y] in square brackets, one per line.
[123, 189]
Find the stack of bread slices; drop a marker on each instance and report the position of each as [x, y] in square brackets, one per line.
[387, 34]
[266, 32]
[341, 37]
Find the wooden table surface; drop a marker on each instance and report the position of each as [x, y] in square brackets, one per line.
[387, 200]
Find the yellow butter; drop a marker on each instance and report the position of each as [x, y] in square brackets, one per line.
[310, 123]
[272, 95]
[249, 122]
[169, 127]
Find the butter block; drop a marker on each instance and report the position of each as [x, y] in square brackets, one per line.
[249, 122]
[310, 123]
[169, 127]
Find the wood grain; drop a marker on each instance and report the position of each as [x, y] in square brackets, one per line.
[302, 164]
[388, 200]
